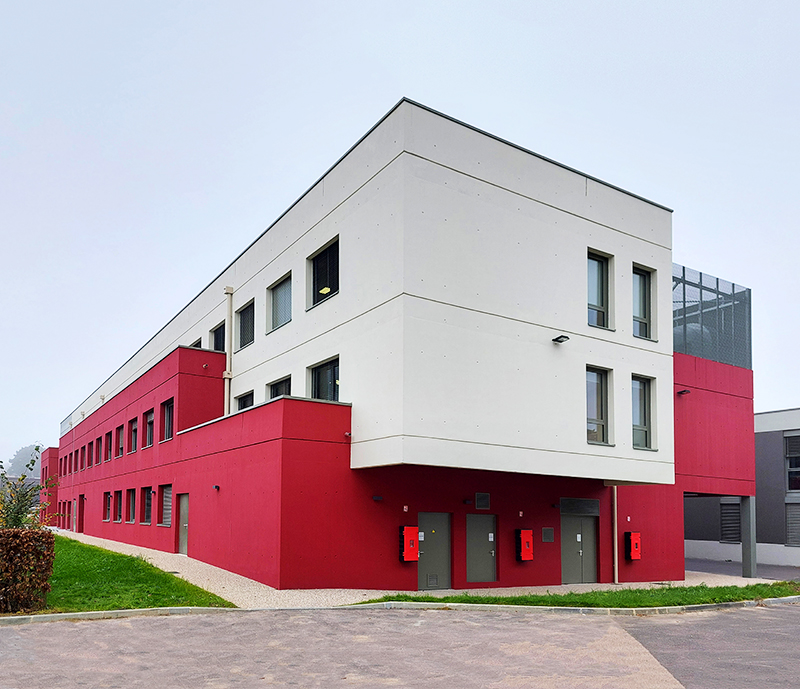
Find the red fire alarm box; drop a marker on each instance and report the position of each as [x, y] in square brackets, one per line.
[409, 543]
[524, 544]
[633, 545]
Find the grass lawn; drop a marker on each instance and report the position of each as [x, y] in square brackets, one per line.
[89, 578]
[623, 598]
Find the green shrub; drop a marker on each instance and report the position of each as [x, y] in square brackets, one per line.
[20, 501]
[26, 563]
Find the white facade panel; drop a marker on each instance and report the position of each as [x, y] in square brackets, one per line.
[460, 258]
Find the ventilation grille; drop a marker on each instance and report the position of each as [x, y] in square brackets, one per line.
[793, 524]
[730, 530]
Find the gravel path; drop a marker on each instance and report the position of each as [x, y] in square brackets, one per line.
[247, 593]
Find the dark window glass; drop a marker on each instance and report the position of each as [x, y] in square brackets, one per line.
[326, 273]
[120, 439]
[598, 290]
[641, 303]
[282, 302]
[325, 381]
[218, 338]
[282, 387]
[117, 505]
[245, 401]
[131, 505]
[147, 504]
[167, 414]
[640, 389]
[596, 406]
[247, 325]
[148, 428]
[133, 428]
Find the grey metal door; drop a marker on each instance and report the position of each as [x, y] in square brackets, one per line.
[433, 569]
[183, 523]
[481, 548]
[578, 549]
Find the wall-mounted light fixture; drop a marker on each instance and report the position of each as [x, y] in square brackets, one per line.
[216, 487]
[560, 339]
[684, 392]
[377, 498]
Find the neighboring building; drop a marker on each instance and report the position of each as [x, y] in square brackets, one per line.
[714, 529]
[447, 332]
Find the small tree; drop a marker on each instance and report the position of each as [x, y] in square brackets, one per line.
[20, 499]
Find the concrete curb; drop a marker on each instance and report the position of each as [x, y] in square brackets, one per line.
[395, 605]
[110, 614]
[666, 610]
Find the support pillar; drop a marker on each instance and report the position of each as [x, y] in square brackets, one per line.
[748, 523]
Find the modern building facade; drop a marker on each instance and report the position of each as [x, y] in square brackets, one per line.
[448, 364]
[713, 527]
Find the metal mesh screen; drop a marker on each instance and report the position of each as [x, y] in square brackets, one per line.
[282, 303]
[710, 318]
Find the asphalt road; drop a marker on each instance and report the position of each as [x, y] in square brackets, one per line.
[408, 648]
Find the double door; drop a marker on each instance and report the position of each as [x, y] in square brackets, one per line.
[433, 569]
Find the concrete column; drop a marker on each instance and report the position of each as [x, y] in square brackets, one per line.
[748, 522]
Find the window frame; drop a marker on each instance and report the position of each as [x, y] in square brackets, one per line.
[321, 261]
[601, 310]
[273, 395]
[168, 419]
[791, 453]
[243, 398]
[275, 292]
[119, 437]
[603, 403]
[164, 490]
[90, 455]
[645, 407]
[149, 418]
[117, 506]
[248, 311]
[133, 434]
[646, 320]
[146, 507]
[331, 364]
[214, 337]
[130, 506]
[107, 506]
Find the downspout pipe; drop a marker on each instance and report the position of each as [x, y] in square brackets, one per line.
[615, 537]
[227, 374]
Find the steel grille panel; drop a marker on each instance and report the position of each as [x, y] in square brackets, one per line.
[793, 524]
[730, 529]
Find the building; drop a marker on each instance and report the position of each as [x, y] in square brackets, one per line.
[713, 528]
[448, 364]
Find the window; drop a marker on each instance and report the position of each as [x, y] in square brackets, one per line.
[83, 457]
[282, 387]
[148, 428]
[596, 405]
[244, 401]
[280, 300]
[147, 504]
[641, 303]
[120, 438]
[133, 434]
[108, 446]
[640, 389]
[106, 507]
[325, 381]
[325, 273]
[598, 291]
[165, 505]
[167, 415]
[792, 444]
[99, 445]
[197, 345]
[218, 338]
[131, 505]
[90, 455]
[247, 325]
[117, 505]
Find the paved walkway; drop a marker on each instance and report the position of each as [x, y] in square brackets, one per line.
[246, 593]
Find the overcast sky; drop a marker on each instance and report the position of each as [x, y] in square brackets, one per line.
[144, 145]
